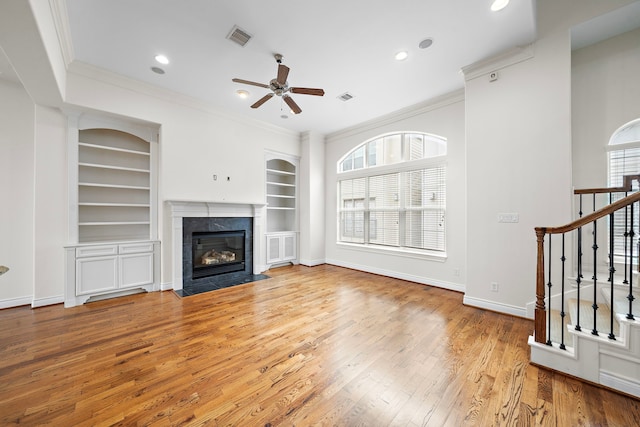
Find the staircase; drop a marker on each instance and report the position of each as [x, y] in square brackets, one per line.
[585, 325]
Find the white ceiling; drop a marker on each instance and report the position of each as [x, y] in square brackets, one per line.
[340, 46]
[336, 45]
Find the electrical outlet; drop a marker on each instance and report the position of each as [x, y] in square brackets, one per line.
[494, 286]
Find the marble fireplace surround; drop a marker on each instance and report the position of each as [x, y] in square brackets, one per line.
[195, 209]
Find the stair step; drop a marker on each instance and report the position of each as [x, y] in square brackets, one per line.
[620, 302]
[603, 317]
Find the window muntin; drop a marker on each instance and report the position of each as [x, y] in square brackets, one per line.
[397, 198]
[393, 149]
[623, 159]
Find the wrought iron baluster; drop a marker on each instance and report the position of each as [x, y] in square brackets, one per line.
[579, 278]
[594, 331]
[562, 313]
[549, 285]
[631, 236]
[612, 270]
[626, 238]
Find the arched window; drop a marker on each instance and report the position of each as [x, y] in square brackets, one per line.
[392, 192]
[624, 159]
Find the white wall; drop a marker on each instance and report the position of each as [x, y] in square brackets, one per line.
[51, 206]
[605, 96]
[195, 143]
[17, 151]
[444, 117]
[519, 158]
[311, 192]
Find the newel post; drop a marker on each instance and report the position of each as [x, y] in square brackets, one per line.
[540, 332]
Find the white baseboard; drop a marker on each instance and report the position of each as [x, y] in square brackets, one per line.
[495, 306]
[399, 275]
[15, 302]
[166, 286]
[312, 263]
[625, 385]
[41, 302]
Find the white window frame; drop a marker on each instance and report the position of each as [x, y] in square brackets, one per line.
[401, 168]
[630, 142]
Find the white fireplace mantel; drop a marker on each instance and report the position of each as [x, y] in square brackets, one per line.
[206, 209]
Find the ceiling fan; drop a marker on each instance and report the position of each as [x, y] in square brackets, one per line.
[279, 86]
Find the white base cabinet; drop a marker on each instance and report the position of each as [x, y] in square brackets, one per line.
[281, 248]
[110, 270]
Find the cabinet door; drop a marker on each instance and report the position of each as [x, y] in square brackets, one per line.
[96, 275]
[273, 249]
[288, 247]
[136, 270]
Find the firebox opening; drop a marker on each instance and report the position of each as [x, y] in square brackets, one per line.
[217, 252]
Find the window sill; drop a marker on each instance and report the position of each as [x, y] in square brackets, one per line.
[401, 252]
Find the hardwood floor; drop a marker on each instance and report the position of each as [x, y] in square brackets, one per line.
[310, 346]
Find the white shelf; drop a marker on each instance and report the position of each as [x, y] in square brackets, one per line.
[280, 184]
[279, 208]
[280, 172]
[110, 167]
[101, 223]
[125, 205]
[281, 196]
[121, 150]
[126, 187]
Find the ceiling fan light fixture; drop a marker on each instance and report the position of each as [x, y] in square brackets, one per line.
[162, 59]
[499, 5]
[242, 93]
[402, 55]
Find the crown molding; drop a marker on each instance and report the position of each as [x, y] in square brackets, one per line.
[403, 114]
[60, 18]
[497, 62]
[103, 76]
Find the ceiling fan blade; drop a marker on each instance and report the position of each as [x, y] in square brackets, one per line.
[292, 104]
[247, 82]
[262, 100]
[283, 73]
[307, 91]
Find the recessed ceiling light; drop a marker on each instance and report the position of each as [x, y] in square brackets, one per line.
[284, 116]
[162, 59]
[499, 5]
[402, 55]
[157, 70]
[425, 43]
[242, 93]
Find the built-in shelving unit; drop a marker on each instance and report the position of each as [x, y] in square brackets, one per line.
[113, 246]
[114, 186]
[282, 220]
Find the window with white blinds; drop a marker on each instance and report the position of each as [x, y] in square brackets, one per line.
[389, 202]
[624, 159]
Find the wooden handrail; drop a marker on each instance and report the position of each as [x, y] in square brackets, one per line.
[607, 210]
[540, 320]
[626, 186]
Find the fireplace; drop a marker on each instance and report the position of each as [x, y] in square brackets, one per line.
[190, 217]
[216, 249]
[217, 252]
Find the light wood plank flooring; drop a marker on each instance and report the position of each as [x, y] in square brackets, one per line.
[311, 346]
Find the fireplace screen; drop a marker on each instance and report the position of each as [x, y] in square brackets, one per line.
[217, 252]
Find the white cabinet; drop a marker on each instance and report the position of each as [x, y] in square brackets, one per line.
[282, 213]
[113, 208]
[281, 247]
[108, 269]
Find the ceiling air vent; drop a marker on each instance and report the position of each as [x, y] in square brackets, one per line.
[345, 96]
[239, 35]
